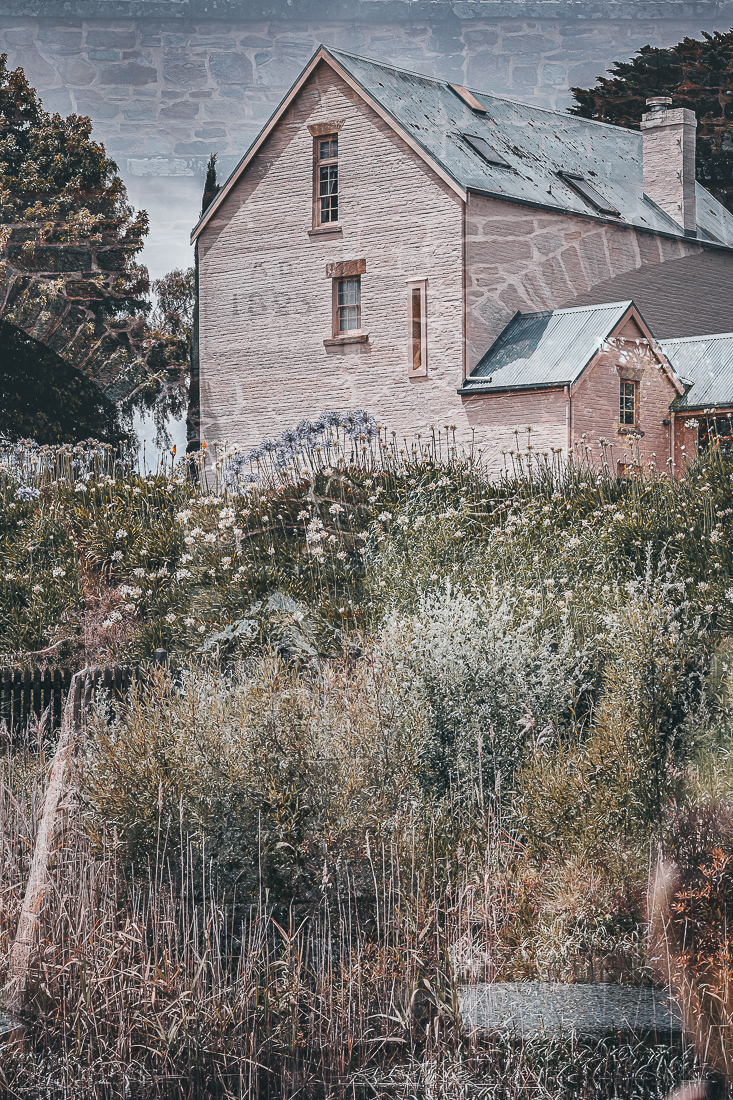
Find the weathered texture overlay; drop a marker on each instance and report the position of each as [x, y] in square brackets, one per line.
[167, 82]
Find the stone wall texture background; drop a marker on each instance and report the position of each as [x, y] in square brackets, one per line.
[167, 82]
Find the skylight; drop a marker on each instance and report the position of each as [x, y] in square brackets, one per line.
[589, 194]
[484, 150]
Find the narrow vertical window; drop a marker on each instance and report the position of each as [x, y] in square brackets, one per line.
[417, 362]
[627, 403]
[326, 180]
[348, 306]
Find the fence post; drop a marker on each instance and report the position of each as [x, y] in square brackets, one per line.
[14, 993]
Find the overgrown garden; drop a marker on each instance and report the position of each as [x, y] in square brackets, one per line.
[419, 728]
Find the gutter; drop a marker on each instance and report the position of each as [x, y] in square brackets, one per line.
[529, 388]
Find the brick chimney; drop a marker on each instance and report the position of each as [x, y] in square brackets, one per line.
[668, 141]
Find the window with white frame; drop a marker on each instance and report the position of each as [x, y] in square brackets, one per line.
[347, 316]
[326, 179]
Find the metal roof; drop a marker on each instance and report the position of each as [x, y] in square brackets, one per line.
[538, 145]
[552, 348]
[705, 362]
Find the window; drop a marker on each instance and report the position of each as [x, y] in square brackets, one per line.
[348, 306]
[417, 365]
[484, 150]
[326, 180]
[627, 403]
[588, 192]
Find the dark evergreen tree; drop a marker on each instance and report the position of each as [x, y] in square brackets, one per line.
[697, 74]
[44, 398]
[212, 186]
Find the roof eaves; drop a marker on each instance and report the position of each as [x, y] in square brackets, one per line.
[658, 350]
[324, 54]
[258, 141]
[620, 223]
[384, 112]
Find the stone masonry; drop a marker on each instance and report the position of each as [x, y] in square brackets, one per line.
[167, 82]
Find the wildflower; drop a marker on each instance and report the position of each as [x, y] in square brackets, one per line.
[138, 572]
[27, 492]
[226, 563]
[202, 629]
[341, 555]
[385, 516]
[189, 622]
[181, 574]
[186, 558]
[194, 534]
[574, 541]
[335, 509]
[170, 617]
[211, 537]
[117, 556]
[302, 515]
[58, 572]
[703, 586]
[715, 536]
[271, 551]
[38, 588]
[121, 533]
[184, 517]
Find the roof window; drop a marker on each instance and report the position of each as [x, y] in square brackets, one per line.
[468, 98]
[589, 194]
[484, 150]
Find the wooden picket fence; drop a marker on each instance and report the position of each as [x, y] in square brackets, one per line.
[27, 694]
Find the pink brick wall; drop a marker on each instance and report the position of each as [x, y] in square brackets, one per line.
[595, 413]
[498, 424]
[518, 258]
[266, 301]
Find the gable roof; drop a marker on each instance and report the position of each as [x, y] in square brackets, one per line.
[432, 116]
[552, 348]
[540, 350]
[705, 364]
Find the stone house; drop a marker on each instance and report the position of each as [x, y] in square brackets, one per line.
[389, 241]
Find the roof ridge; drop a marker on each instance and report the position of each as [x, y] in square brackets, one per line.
[579, 309]
[695, 339]
[475, 91]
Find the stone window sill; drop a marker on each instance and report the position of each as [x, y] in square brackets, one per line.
[631, 431]
[350, 338]
[326, 231]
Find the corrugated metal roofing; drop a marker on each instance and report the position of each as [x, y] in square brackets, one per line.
[707, 363]
[537, 143]
[551, 348]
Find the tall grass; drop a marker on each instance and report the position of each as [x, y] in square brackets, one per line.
[422, 728]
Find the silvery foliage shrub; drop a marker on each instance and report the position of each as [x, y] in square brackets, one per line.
[488, 677]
